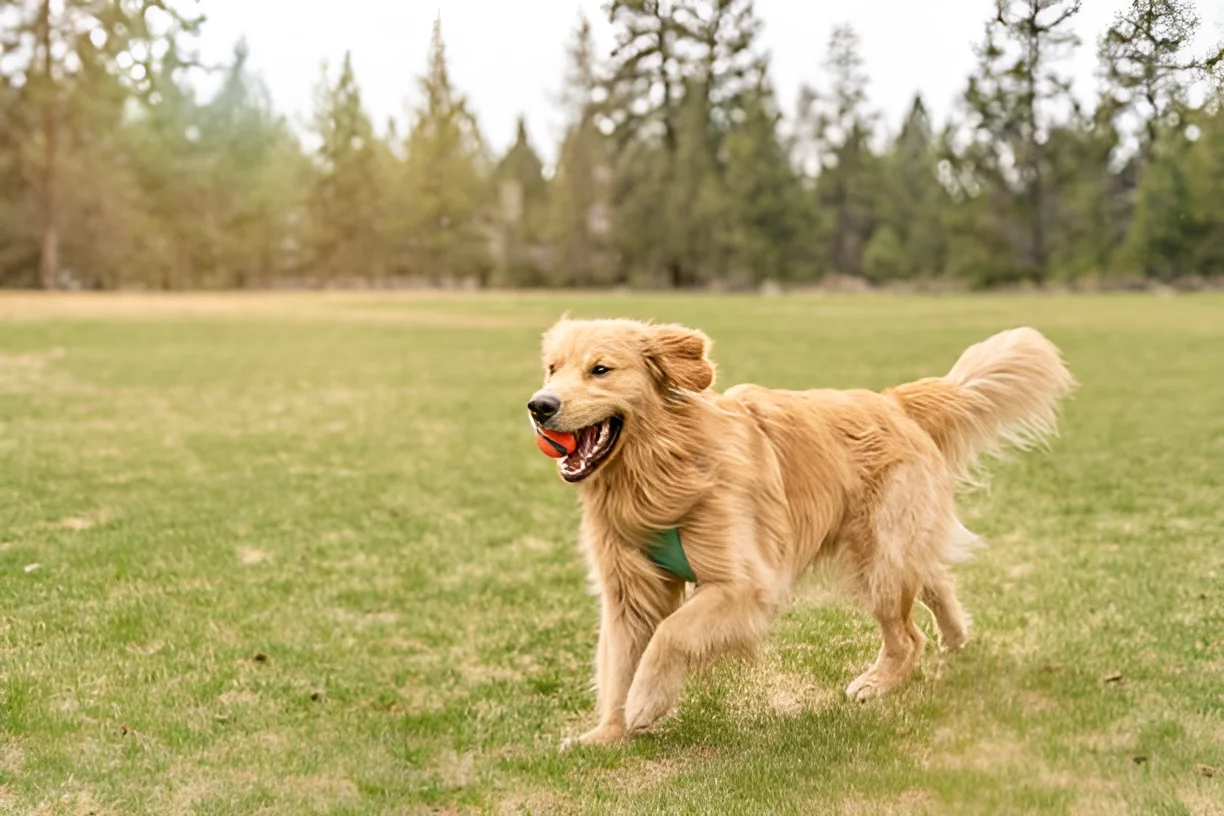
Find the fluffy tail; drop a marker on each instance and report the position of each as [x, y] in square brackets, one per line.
[1003, 391]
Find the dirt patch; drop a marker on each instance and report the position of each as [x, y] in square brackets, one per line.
[538, 802]
[648, 774]
[238, 697]
[452, 769]
[23, 373]
[766, 689]
[411, 308]
[250, 556]
[41, 305]
[911, 802]
[146, 649]
[1005, 753]
[75, 804]
[1203, 800]
[79, 524]
[641, 776]
[533, 544]
[364, 620]
[321, 792]
[1095, 805]
[11, 759]
[984, 756]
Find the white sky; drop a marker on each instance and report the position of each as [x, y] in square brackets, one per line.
[509, 56]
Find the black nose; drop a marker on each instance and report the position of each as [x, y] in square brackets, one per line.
[543, 405]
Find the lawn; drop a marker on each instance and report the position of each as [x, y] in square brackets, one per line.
[297, 554]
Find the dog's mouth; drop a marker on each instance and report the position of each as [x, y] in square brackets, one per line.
[595, 445]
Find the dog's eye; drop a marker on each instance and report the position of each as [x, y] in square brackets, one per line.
[600, 370]
[552, 369]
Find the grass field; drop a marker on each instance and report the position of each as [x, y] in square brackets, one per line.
[298, 554]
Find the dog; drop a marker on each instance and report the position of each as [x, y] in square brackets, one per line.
[762, 484]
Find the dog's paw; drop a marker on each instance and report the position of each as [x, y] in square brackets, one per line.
[868, 685]
[651, 699]
[603, 735]
[645, 711]
[656, 687]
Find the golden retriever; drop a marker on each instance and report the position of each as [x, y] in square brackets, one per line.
[762, 484]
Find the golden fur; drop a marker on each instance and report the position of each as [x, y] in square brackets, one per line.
[763, 484]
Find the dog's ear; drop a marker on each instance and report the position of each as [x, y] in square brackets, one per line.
[680, 357]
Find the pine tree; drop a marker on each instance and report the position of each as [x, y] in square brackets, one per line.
[523, 195]
[256, 177]
[641, 111]
[694, 200]
[73, 57]
[1089, 199]
[579, 223]
[1145, 65]
[1177, 229]
[173, 173]
[679, 77]
[836, 131]
[645, 75]
[910, 241]
[1205, 171]
[1010, 101]
[445, 223]
[346, 204]
[728, 66]
[768, 211]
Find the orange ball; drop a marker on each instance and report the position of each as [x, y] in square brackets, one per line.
[556, 443]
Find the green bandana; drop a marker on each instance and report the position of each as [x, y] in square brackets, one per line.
[668, 554]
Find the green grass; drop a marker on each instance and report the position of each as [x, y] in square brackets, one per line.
[300, 555]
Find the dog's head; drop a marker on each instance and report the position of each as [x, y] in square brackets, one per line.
[606, 380]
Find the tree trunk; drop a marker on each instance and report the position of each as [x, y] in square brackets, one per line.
[675, 274]
[49, 262]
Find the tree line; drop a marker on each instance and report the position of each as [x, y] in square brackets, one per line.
[677, 167]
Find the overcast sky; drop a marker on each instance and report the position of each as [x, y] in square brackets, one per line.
[509, 57]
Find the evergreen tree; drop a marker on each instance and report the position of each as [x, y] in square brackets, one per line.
[348, 196]
[1090, 201]
[579, 223]
[446, 221]
[256, 177]
[768, 211]
[837, 129]
[643, 87]
[910, 241]
[644, 91]
[74, 58]
[1177, 229]
[694, 205]
[1011, 100]
[728, 67]
[679, 79]
[1145, 65]
[1205, 171]
[523, 196]
[173, 173]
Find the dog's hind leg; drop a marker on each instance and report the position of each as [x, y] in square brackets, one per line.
[893, 605]
[939, 595]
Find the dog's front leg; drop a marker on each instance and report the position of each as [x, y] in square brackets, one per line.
[718, 619]
[631, 610]
[622, 639]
